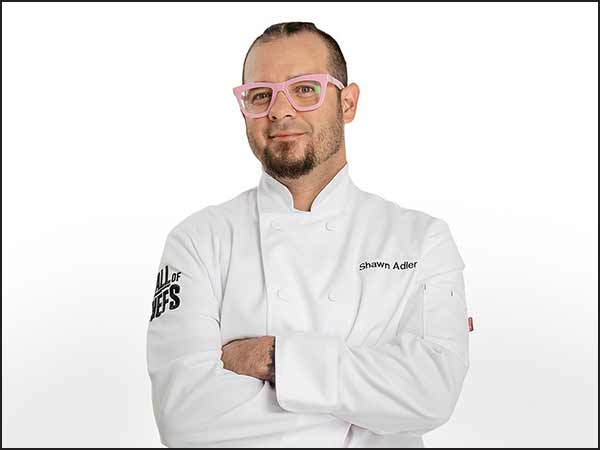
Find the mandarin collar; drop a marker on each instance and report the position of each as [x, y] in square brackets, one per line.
[274, 196]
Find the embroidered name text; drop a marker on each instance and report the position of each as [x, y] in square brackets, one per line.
[386, 265]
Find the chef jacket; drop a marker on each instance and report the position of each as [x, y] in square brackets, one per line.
[365, 299]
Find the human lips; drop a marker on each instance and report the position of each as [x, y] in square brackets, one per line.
[286, 135]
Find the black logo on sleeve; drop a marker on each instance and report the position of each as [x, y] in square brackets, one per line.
[166, 292]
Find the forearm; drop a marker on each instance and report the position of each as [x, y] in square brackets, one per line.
[408, 383]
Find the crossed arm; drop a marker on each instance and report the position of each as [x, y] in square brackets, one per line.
[204, 392]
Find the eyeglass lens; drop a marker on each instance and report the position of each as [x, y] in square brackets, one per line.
[305, 93]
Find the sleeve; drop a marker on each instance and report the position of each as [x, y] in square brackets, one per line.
[196, 402]
[410, 383]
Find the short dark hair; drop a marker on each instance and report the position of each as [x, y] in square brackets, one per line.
[337, 62]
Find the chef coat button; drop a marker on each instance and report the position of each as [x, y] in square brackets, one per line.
[330, 226]
[332, 296]
[275, 225]
[282, 294]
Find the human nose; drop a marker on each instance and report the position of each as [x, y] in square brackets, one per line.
[281, 107]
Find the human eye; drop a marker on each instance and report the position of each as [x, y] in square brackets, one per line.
[258, 96]
[305, 89]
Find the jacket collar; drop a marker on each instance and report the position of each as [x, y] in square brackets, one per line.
[274, 196]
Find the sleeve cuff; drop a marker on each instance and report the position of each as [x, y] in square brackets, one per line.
[307, 371]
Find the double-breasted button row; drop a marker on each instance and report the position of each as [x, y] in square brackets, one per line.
[284, 294]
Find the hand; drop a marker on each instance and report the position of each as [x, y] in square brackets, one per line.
[254, 357]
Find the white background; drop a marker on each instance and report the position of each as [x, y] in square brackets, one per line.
[118, 121]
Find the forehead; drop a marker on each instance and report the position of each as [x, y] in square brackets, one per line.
[287, 57]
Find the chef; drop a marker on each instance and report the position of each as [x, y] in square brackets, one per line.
[305, 312]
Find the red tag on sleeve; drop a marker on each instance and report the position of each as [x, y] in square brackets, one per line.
[470, 324]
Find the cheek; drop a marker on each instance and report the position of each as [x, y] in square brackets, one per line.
[257, 131]
[321, 121]
[253, 135]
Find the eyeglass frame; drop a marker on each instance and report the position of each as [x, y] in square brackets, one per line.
[323, 78]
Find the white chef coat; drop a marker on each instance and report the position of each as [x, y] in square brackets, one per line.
[365, 299]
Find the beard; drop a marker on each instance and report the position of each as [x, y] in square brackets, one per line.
[278, 157]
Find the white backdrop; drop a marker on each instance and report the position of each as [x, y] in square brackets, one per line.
[118, 121]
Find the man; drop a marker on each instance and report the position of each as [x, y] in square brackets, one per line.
[305, 312]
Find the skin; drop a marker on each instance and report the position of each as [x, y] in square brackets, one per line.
[254, 357]
[305, 165]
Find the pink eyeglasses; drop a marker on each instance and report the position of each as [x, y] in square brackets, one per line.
[305, 93]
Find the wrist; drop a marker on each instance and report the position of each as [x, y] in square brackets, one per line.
[271, 362]
[265, 362]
